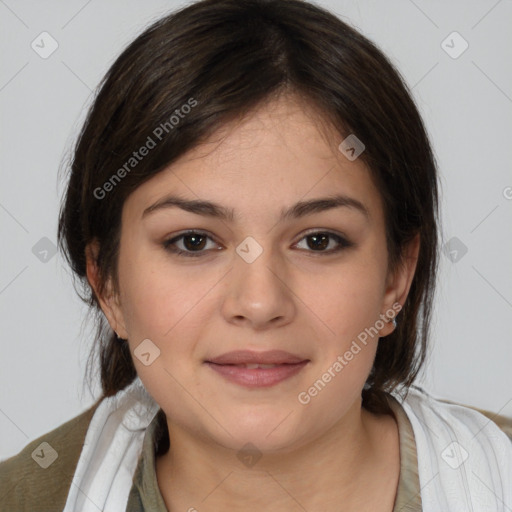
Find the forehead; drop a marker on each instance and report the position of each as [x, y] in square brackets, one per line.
[287, 126]
[282, 152]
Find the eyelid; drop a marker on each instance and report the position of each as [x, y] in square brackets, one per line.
[343, 242]
[327, 231]
[169, 242]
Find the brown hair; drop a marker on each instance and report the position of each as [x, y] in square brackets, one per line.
[229, 57]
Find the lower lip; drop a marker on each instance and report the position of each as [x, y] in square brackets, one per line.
[257, 377]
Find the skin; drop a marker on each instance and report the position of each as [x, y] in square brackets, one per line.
[293, 297]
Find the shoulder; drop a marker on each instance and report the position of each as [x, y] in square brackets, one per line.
[39, 476]
[464, 453]
[504, 423]
[466, 419]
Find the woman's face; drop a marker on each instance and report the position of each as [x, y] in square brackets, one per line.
[259, 281]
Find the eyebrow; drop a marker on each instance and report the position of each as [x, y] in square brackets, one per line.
[298, 210]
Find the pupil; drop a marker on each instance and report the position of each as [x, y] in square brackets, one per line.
[322, 238]
[195, 244]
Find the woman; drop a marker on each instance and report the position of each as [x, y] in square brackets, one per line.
[252, 210]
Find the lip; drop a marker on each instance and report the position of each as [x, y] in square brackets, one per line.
[232, 367]
[251, 357]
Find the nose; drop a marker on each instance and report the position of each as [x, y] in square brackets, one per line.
[259, 293]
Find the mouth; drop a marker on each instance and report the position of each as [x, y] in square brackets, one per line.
[257, 369]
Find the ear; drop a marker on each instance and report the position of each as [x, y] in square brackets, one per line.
[109, 301]
[399, 282]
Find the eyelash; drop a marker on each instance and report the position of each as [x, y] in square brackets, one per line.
[168, 244]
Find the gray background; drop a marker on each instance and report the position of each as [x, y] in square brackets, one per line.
[467, 106]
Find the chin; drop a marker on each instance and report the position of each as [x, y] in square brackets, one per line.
[266, 431]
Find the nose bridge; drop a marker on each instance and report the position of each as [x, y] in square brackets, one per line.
[257, 291]
[254, 268]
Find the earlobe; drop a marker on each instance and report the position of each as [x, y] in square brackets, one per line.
[106, 297]
[389, 326]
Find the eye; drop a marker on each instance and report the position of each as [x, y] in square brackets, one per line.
[320, 240]
[193, 243]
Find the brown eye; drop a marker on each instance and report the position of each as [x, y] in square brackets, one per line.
[192, 242]
[321, 240]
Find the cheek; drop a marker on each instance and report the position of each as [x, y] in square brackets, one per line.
[350, 306]
[154, 296]
[352, 300]
[171, 308]
[345, 356]
[159, 305]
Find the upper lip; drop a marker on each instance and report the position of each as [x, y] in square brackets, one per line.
[251, 357]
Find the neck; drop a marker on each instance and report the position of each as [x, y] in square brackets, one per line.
[321, 474]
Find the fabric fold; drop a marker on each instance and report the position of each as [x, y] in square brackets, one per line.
[464, 459]
[103, 476]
